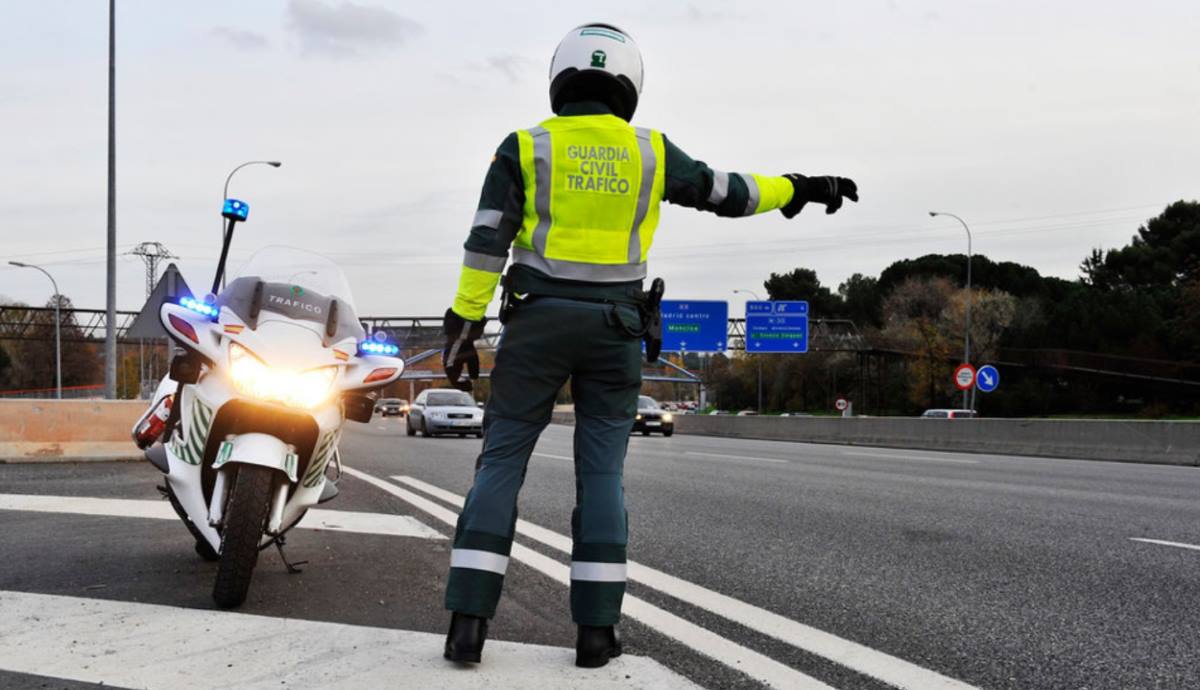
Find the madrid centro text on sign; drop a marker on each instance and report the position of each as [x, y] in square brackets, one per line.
[694, 325]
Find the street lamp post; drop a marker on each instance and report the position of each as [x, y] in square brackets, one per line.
[967, 333]
[757, 358]
[225, 193]
[57, 327]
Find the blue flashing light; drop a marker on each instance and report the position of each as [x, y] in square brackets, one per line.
[374, 348]
[236, 210]
[209, 310]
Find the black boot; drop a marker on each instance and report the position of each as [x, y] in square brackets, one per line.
[465, 640]
[596, 645]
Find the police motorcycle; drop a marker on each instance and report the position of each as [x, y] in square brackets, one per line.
[248, 421]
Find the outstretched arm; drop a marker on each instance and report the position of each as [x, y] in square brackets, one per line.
[693, 184]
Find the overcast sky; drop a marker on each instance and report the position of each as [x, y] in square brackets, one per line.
[1051, 127]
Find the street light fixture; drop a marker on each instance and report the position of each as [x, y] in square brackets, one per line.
[57, 323]
[756, 357]
[967, 332]
[225, 193]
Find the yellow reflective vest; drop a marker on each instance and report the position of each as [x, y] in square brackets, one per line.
[592, 188]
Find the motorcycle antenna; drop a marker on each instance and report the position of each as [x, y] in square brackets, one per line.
[234, 211]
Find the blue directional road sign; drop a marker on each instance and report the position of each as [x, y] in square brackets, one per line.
[694, 326]
[777, 327]
[987, 379]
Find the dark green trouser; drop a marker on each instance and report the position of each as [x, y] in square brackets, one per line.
[546, 342]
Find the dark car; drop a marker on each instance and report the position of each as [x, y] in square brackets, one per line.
[651, 417]
[444, 411]
[392, 407]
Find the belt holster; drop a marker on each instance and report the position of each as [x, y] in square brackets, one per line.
[652, 320]
[506, 298]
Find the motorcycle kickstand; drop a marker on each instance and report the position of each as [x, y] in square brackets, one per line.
[279, 543]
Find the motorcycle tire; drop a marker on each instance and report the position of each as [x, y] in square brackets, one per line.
[245, 521]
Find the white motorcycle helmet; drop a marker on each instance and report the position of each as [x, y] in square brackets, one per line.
[597, 62]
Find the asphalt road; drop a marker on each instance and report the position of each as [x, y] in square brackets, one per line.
[758, 562]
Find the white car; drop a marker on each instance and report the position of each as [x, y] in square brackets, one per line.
[949, 414]
[444, 411]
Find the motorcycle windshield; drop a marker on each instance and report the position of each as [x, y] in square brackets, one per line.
[294, 284]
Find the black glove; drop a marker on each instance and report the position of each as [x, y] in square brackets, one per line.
[822, 190]
[460, 349]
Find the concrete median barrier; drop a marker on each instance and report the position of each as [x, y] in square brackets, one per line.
[1172, 443]
[68, 430]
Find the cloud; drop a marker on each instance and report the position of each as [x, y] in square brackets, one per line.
[347, 28]
[699, 15]
[242, 40]
[511, 65]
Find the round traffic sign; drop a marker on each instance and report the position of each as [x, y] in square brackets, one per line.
[842, 404]
[987, 379]
[964, 377]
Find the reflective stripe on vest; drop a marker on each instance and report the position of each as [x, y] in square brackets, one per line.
[593, 185]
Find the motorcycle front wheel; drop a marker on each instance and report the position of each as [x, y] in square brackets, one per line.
[245, 521]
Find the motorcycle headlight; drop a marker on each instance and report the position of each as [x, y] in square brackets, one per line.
[254, 378]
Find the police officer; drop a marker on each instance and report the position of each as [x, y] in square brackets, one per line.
[574, 203]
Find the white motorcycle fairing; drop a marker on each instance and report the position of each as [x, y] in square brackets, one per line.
[291, 322]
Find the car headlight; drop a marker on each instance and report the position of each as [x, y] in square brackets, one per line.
[639, 418]
[252, 377]
[667, 417]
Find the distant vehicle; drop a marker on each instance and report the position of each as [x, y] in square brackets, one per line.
[949, 414]
[392, 407]
[747, 413]
[444, 411]
[651, 417]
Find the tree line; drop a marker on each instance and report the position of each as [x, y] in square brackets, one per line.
[1122, 338]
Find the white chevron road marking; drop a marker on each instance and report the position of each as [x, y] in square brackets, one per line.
[316, 519]
[758, 666]
[132, 645]
[865, 660]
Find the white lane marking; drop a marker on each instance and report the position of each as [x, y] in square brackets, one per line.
[316, 519]
[554, 457]
[902, 456]
[1176, 544]
[889, 669]
[757, 666]
[736, 457]
[130, 644]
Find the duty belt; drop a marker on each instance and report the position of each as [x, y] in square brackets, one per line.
[647, 303]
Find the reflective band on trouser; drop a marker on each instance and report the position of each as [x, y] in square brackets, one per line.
[646, 149]
[597, 572]
[575, 270]
[720, 188]
[487, 218]
[541, 173]
[484, 262]
[752, 194]
[479, 560]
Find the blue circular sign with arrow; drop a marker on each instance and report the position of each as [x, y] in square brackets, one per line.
[987, 379]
